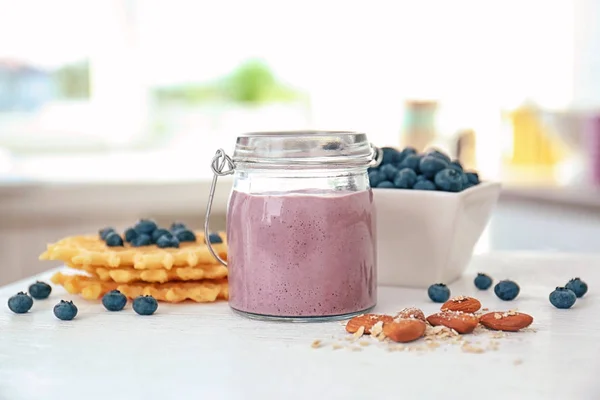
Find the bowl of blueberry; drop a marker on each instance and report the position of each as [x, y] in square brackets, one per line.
[430, 215]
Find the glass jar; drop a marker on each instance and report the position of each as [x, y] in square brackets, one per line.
[300, 225]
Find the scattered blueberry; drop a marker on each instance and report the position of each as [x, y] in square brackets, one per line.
[185, 236]
[167, 240]
[40, 290]
[145, 226]
[424, 185]
[142, 240]
[411, 161]
[177, 226]
[562, 297]
[130, 235]
[391, 156]
[105, 232]
[388, 171]
[215, 238]
[483, 281]
[405, 179]
[114, 240]
[114, 300]
[439, 293]
[507, 290]
[449, 180]
[386, 185]
[473, 178]
[375, 178]
[578, 287]
[431, 165]
[158, 233]
[20, 303]
[456, 165]
[65, 310]
[145, 305]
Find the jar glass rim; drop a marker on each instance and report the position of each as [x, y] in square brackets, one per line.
[303, 147]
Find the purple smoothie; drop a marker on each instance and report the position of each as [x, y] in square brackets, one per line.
[302, 255]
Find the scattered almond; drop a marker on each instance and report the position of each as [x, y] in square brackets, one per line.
[411, 312]
[459, 321]
[367, 321]
[404, 330]
[510, 321]
[462, 303]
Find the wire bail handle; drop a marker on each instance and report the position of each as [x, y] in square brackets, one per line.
[219, 161]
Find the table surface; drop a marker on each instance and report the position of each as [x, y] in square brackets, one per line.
[200, 350]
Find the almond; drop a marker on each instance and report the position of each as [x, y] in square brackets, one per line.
[367, 321]
[404, 330]
[411, 313]
[462, 303]
[510, 321]
[459, 321]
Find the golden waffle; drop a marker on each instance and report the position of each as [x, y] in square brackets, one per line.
[92, 288]
[91, 250]
[130, 274]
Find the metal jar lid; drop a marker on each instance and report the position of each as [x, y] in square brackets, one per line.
[304, 148]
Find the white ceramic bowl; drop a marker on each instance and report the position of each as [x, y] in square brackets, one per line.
[426, 237]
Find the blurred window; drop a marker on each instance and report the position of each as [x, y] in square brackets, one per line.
[96, 75]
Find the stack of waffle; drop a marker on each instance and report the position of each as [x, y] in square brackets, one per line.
[188, 272]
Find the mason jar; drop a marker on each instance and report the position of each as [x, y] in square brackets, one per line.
[300, 225]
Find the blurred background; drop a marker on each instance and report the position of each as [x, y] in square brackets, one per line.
[111, 110]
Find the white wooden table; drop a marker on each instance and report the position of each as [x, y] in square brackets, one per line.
[200, 351]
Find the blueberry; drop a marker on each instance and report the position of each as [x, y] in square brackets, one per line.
[40, 290]
[473, 178]
[388, 171]
[130, 235]
[431, 165]
[421, 178]
[65, 310]
[114, 300]
[145, 226]
[507, 290]
[20, 303]
[114, 240]
[562, 297]
[449, 180]
[408, 151]
[215, 238]
[158, 233]
[386, 185]
[578, 287]
[376, 177]
[411, 161]
[439, 154]
[105, 232]
[456, 165]
[167, 240]
[439, 293]
[405, 179]
[145, 305]
[185, 236]
[424, 185]
[177, 226]
[483, 281]
[390, 156]
[142, 240]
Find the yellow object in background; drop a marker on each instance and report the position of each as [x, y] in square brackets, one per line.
[533, 144]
